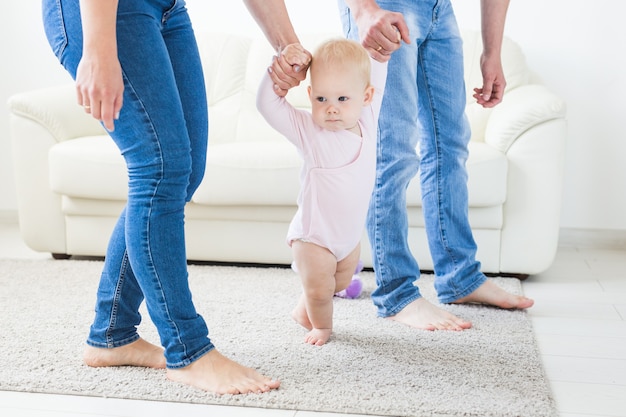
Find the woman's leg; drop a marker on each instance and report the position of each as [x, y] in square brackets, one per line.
[113, 338]
[163, 145]
[152, 135]
[119, 295]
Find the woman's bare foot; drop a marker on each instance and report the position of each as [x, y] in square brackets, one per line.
[138, 353]
[300, 315]
[317, 337]
[490, 293]
[216, 373]
[421, 314]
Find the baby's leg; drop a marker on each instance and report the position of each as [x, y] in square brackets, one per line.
[300, 315]
[343, 278]
[346, 268]
[316, 266]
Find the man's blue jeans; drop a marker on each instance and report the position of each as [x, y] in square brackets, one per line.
[162, 133]
[424, 105]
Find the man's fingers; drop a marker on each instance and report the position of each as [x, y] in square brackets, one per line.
[486, 93]
[386, 36]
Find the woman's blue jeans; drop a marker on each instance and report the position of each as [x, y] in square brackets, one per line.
[424, 105]
[162, 133]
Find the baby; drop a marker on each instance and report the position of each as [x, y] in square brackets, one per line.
[337, 142]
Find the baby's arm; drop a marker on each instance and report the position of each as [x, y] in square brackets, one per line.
[278, 112]
[378, 79]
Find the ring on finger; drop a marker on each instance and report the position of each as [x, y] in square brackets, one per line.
[379, 48]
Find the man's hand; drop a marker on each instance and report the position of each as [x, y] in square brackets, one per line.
[492, 91]
[381, 31]
[492, 16]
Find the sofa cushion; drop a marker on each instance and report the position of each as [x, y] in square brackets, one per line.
[250, 174]
[89, 167]
[243, 173]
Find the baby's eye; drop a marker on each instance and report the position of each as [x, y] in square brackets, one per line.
[343, 98]
[320, 99]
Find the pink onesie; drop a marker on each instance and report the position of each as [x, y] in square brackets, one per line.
[339, 170]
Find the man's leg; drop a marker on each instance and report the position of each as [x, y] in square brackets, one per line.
[444, 151]
[396, 296]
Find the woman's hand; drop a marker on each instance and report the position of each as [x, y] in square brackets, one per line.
[289, 68]
[100, 88]
[99, 83]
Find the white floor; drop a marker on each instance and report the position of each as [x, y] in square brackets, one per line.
[579, 318]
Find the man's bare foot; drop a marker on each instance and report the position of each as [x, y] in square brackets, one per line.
[138, 353]
[216, 373]
[317, 337]
[300, 315]
[490, 293]
[421, 314]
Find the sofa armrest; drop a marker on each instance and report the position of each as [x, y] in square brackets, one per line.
[522, 109]
[534, 195]
[56, 110]
[40, 119]
[530, 127]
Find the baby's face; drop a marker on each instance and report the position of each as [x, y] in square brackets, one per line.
[337, 97]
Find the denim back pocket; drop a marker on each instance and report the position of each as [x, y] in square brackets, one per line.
[54, 26]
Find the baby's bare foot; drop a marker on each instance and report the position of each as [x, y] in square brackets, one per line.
[317, 337]
[490, 293]
[138, 353]
[421, 314]
[216, 373]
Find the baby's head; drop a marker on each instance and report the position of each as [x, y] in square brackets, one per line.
[345, 55]
[340, 84]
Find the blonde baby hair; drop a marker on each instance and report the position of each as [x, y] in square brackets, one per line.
[343, 52]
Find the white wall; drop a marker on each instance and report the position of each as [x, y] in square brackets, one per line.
[573, 46]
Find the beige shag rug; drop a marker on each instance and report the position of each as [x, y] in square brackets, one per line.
[371, 365]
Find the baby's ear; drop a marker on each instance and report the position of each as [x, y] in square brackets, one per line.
[369, 95]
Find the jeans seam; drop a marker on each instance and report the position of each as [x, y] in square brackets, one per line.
[155, 274]
[115, 304]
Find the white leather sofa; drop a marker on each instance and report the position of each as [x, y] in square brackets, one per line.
[71, 181]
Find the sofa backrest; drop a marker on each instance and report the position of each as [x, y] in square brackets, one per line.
[233, 67]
